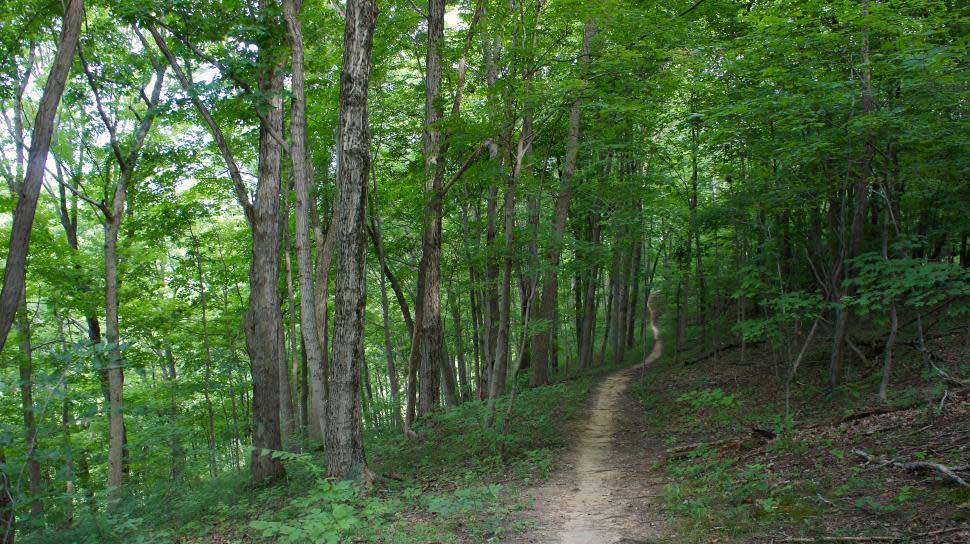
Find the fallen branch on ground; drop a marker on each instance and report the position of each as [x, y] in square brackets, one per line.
[875, 412]
[885, 538]
[918, 466]
[715, 351]
[682, 452]
[842, 539]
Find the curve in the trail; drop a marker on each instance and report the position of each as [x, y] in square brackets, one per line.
[602, 497]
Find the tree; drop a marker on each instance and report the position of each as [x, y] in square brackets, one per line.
[40, 140]
[345, 450]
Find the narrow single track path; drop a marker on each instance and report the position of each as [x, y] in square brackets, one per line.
[605, 493]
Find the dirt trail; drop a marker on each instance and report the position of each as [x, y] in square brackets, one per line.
[605, 493]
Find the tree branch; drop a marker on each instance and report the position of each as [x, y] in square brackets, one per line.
[242, 194]
[691, 8]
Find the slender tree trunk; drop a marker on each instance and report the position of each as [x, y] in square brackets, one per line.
[377, 235]
[311, 324]
[27, 402]
[207, 376]
[529, 273]
[114, 364]
[345, 450]
[608, 310]
[463, 383]
[590, 305]
[631, 312]
[449, 384]
[296, 416]
[491, 308]
[287, 420]
[502, 344]
[117, 454]
[8, 514]
[40, 140]
[550, 280]
[175, 445]
[320, 375]
[861, 201]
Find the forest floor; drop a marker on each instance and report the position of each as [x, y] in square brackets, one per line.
[606, 491]
[741, 472]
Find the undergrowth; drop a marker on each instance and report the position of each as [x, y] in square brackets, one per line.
[455, 482]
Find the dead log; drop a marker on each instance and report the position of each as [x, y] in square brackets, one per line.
[715, 351]
[950, 473]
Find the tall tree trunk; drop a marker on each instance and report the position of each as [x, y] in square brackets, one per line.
[114, 364]
[40, 141]
[503, 348]
[311, 323]
[345, 450]
[264, 320]
[502, 345]
[631, 312]
[118, 436]
[426, 344]
[491, 306]
[550, 284]
[175, 445]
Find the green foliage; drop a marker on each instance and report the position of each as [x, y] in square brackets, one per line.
[329, 513]
[714, 402]
[908, 282]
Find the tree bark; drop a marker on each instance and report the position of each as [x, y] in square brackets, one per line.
[345, 451]
[290, 376]
[40, 141]
[264, 320]
[463, 383]
[491, 306]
